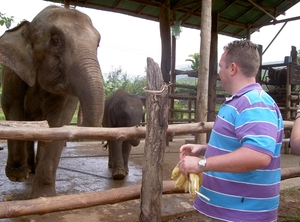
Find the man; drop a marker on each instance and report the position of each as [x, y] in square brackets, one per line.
[241, 163]
[295, 135]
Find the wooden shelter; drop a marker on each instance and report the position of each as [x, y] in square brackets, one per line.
[237, 19]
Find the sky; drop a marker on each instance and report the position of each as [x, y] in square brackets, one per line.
[127, 41]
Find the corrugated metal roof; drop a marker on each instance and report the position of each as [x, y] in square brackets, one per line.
[235, 16]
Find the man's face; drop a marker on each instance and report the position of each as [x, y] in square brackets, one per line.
[224, 73]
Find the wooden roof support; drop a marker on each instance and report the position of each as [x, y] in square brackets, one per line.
[203, 74]
[267, 13]
[165, 35]
[213, 64]
[67, 3]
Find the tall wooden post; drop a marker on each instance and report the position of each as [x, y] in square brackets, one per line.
[155, 144]
[165, 36]
[67, 3]
[203, 73]
[213, 72]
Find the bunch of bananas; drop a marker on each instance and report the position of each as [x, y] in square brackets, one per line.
[191, 185]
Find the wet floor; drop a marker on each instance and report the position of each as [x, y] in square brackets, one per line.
[83, 168]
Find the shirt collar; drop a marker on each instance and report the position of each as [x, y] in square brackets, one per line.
[254, 86]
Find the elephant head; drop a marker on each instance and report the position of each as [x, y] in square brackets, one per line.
[48, 64]
[58, 51]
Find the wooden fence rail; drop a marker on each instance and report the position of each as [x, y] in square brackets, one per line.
[39, 131]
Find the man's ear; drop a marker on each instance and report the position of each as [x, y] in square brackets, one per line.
[233, 68]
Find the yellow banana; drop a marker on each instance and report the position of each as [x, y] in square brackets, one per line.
[180, 181]
[175, 172]
[191, 185]
[200, 179]
[186, 186]
[196, 183]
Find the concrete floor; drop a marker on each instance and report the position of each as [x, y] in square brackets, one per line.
[83, 168]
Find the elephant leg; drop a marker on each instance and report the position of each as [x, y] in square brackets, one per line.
[110, 164]
[115, 152]
[48, 157]
[16, 167]
[126, 148]
[30, 156]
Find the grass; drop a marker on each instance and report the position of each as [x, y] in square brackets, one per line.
[74, 119]
[2, 117]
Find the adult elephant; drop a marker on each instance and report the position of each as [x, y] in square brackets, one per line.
[121, 110]
[48, 64]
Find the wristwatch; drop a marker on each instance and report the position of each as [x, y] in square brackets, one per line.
[202, 164]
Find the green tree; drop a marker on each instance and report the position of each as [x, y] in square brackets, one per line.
[136, 85]
[195, 60]
[6, 20]
[116, 79]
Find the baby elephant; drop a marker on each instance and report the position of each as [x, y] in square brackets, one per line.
[121, 110]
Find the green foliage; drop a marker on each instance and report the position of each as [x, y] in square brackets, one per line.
[195, 60]
[136, 85]
[298, 56]
[116, 79]
[6, 20]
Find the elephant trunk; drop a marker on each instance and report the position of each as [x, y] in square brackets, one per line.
[134, 142]
[88, 87]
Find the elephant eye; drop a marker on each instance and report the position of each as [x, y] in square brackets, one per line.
[55, 41]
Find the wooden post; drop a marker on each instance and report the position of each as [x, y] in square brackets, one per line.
[155, 143]
[213, 71]
[202, 87]
[67, 3]
[165, 35]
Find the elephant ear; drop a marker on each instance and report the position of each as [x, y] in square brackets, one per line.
[16, 52]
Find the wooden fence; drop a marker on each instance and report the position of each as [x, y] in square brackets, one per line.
[41, 132]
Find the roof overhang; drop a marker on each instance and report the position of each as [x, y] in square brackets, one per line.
[235, 18]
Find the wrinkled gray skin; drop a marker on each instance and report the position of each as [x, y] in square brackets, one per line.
[121, 110]
[49, 64]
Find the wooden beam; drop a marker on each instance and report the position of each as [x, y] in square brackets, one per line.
[45, 205]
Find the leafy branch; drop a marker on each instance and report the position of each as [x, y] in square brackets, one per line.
[6, 20]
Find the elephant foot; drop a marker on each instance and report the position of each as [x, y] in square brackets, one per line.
[17, 174]
[118, 174]
[31, 167]
[42, 191]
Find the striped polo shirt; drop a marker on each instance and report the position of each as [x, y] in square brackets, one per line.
[250, 119]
